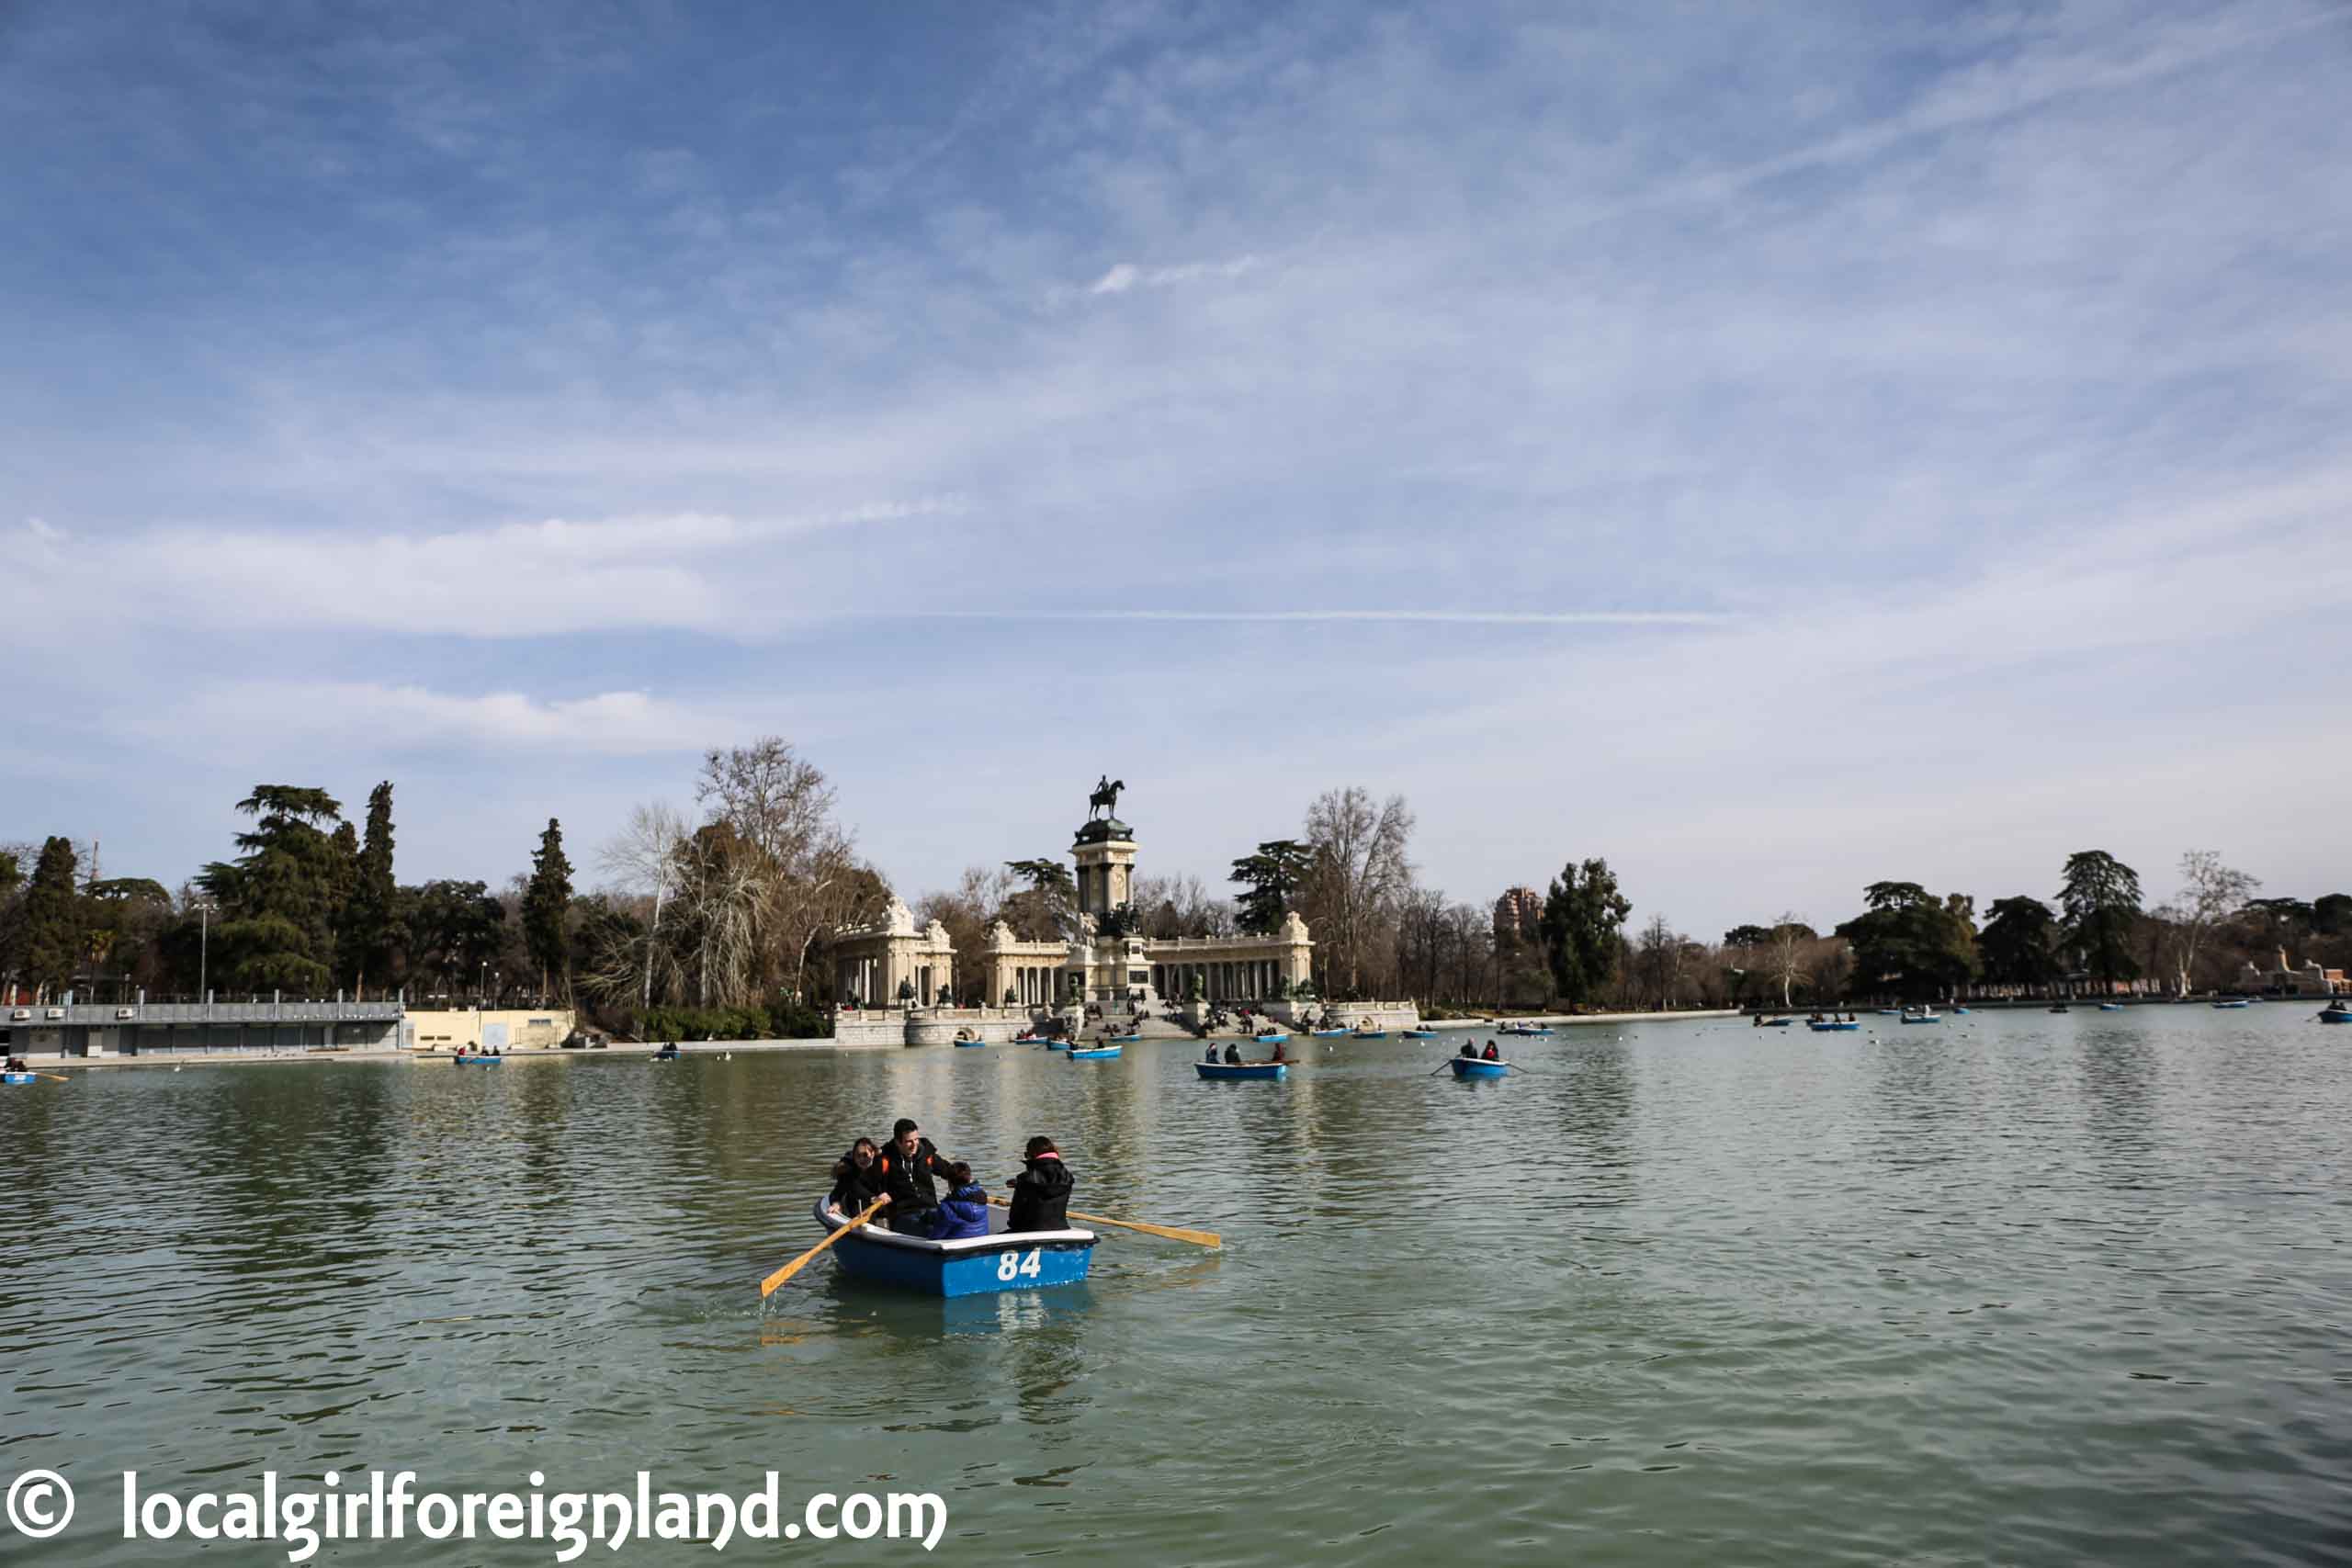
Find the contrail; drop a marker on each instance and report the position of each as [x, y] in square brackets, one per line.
[1446, 617]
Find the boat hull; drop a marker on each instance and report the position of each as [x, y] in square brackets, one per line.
[13, 1079]
[2324, 1018]
[1834, 1027]
[1019, 1260]
[1370, 1035]
[1270, 1039]
[1245, 1070]
[1096, 1054]
[479, 1061]
[1777, 1023]
[1468, 1068]
[1328, 1033]
[969, 1044]
[1923, 1021]
[1420, 1035]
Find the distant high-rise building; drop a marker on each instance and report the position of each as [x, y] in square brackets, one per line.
[1517, 912]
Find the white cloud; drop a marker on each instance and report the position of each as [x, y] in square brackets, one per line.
[309, 715]
[1127, 275]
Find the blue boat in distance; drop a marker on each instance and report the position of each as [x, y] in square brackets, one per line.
[14, 1079]
[1327, 1033]
[1368, 1034]
[1121, 1039]
[967, 1044]
[1271, 1037]
[2239, 1002]
[1478, 1067]
[1777, 1023]
[1001, 1260]
[1057, 1045]
[1095, 1052]
[2110, 1007]
[1241, 1070]
[1827, 1026]
[1922, 1018]
[2327, 1015]
[484, 1061]
[1419, 1034]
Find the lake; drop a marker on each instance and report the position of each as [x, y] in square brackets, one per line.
[2017, 1287]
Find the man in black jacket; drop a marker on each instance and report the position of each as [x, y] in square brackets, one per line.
[908, 1166]
[1041, 1192]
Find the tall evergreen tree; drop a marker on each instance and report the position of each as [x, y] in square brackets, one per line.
[544, 904]
[2100, 901]
[1911, 943]
[278, 897]
[52, 919]
[373, 934]
[1582, 916]
[2019, 943]
[1273, 877]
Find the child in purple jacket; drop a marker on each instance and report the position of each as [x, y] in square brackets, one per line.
[965, 1211]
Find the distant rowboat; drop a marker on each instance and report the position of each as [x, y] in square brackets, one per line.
[487, 1061]
[1327, 1033]
[967, 1044]
[1213, 1070]
[1272, 1038]
[1420, 1035]
[1369, 1035]
[1095, 1052]
[1825, 1026]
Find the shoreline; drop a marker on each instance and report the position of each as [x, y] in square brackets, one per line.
[707, 1047]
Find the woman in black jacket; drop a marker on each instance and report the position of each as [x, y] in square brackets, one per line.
[857, 1179]
[1041, 1192]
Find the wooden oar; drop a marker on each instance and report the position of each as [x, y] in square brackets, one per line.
[768, 1285]
[1173, 1233]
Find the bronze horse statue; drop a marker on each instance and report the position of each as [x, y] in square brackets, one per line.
[1105, 797]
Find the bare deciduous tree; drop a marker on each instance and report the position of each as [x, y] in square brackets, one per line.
[1360, 880]
[2211, 894]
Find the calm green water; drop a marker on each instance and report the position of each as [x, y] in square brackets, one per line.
[2019, 1288]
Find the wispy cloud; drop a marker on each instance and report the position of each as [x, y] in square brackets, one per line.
[1406, 618]
[1124, 275]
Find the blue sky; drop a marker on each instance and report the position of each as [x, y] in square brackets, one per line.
[1773, 448]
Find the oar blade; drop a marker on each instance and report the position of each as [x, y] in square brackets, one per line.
[768, 1285]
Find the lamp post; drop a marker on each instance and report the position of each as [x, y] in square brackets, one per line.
[203, 949]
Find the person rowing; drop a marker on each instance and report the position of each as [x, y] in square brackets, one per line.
[1040, 1199]
[857, 1180]
[1468, 1051]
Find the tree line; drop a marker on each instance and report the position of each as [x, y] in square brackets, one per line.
[720, 920]
[307, 907]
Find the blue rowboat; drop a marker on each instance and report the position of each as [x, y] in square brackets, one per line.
[967, 1044]
[487, 1061]
[2110, 1007]
[1241, 1070]
[2240, 1003]
[1959, 1009]
[1121, 1039]
[2330, 1015]
[1832, 1025]
[1921, 1018]
[1369, 1035]
[1272, 1039]
[1890, 1013]
[1478, 1068]
[1057, 1045]
[1327, 1033]
[1020, 1260]
[17, 1078]
[1095, 1052]
[1777, 1023]
[1419, 1034]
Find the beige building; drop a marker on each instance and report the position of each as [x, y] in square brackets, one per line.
[2314, 979]
[890, 963]
[1098, 964]
[486, 1029]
